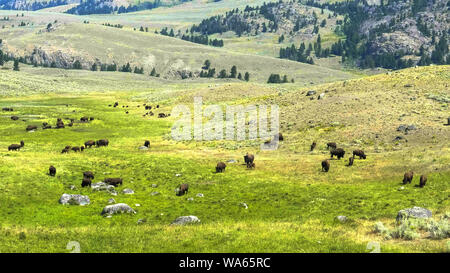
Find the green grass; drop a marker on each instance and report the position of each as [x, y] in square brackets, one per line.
[292, 205]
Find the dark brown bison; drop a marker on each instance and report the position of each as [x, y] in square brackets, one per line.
[116, 104]
[89, 143]
[220, 167]
[408, 177]
[148, 107]
[76, 149]
[68, 147]
[15, 118]
[102, 142]
[91, 118]
[84, 119]
[280, 137]
[313, 146]
[7, 109]
[157, 106]
[81, 148]
[86, 182]
[325, 165]
[350, 160]
[331, 145]
[60, 124]
[65, 151]
[423, 180]
[16, 147]
[183, 189]
[88, 174]
[339, 152]
[31, 127]
[162, 115]
[70, 124]
[248, 159]
[45, 125]
[113, 181]
[359, 153]
[147, 143]
[52, 171]
[251, 165]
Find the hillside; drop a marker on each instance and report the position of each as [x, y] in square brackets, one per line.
[63, 44]
[304, 201]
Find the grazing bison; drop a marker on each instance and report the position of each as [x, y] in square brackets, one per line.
[359, 153]
[339, 152]
[325, 165]
[88, 174]
[280, 137]
[162, 115]
[76, 149]
[81, 148]
[89, 143]
[102, 142]
[31, 127]
[220, 167]
[60, 124]
[52, 171]
[313, 146]
[148, 107]
[91, 118]
[251, 165]
[15, 118]
[350, 160]
[16, 147]
[65, 151]
[7, 109]
[147, 144]
[423, 180]
[408, 177]
[183, 189]
[113, 181]
[331, 145]
[116, 104]
[86, 182]
[249, 158]
[84, 119]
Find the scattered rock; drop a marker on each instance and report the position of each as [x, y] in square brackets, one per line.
[183, 220]
[102, 186]
[342, 218]
[143, 148]
[154, 186]
[137, 205]
[128, 191]
[178, 174]
[111, 201]
[141, 221]
[190, 199]
[200, 195]
[74, 199]
[415, 212]
[243, 205]
[155, 193]
[310, 93]
[117, 208]
[231, 161]
[321, 96]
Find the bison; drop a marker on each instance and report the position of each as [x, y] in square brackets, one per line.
[15, 118]
[280, 137]
[31, 127]
[423, 180]
[339, 152]
[350, 160]
[65, 151]
[113, 181]
[220, 167]
[408, 177]
[249, 158]
[89, 143]
[325, 165]
[7, 109]
[16, 147]
[88, 174]
[359, 153]
[313, 146]
[84, 119]
[102, 142]
[86, 182]
[147, 143]
[52, 171]
[76, 149]
[183, 189]
[60, 124]
[162, 115]
[331, 145]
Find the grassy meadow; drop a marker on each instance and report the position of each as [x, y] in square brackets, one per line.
[292, 204]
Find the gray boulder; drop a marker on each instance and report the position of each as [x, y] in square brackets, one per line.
[321, 96]
[74, 199]
[155, 193]
[117, 208]
[128, 191]
[310, 93]
[183, 220]
[415, 212]
[143, 148]
[102, 186]
[342, 218]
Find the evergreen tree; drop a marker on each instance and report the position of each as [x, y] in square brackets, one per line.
[233, 72]
[16, 65]
[247, 76]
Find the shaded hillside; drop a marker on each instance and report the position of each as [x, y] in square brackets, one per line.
[33, 4]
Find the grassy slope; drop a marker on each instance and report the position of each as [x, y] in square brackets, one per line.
[91, 42]
[292, 205]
